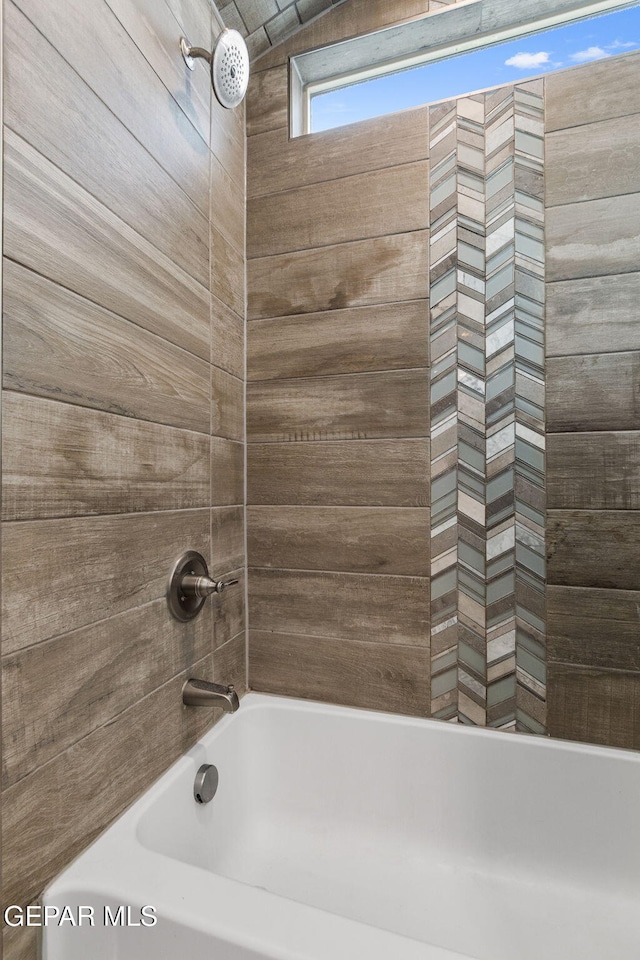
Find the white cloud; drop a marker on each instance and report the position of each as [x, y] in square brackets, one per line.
[525, 61]
[618, 45]
[591, 53]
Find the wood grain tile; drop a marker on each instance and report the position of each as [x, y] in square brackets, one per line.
[340, 473]
[125, 561]
[62, 346]
[591, 239]
[152, 27]
[73, 792]
[227, 272]
[354, 407]
[228, 139]
[63, 460]
[268, 101]
[230, 663]
[382, 270]
[227, 405]
[593, 471]
[276, 164]
[356, 340]
[47, 707]
[375, 676]
[227, 205]
[592, 161]
[21, 943]
[229, 609]
[194, 16]
[381, 202]
[355, 539]
[614, 91]
[227, 540]
[227, 472]
[594, 706]
[54, 227]
[166, 132]
[593, 315]
[594, 548]
[91, 145]
[591, 627]
[227, 338]
[380, 609]
[593, 392]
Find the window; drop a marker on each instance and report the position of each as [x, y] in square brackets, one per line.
[454, 59]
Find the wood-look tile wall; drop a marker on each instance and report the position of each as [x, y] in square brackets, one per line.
[593, 391]
[337, 399]
[123, 416]
[336, 309]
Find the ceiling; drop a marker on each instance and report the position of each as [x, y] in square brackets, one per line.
[266, 23]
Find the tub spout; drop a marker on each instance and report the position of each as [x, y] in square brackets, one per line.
[201, 693]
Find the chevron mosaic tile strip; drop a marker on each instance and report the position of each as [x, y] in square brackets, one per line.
[487, 409]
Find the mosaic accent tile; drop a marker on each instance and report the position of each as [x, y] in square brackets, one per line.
[487, 409]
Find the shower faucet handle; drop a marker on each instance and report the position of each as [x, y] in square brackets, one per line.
[190, 585]
[203, 586]
[223, 584]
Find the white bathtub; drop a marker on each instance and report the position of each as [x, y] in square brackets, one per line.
[341, 834]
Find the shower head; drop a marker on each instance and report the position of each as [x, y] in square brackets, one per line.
[229, 64]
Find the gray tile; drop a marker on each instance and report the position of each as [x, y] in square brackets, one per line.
[283, 25]
[232, 19]
[256, 12]
[311, 8]
[257, 43]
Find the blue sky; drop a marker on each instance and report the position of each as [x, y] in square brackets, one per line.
[566, 46]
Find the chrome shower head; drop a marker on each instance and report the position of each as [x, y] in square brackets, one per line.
[229, 64]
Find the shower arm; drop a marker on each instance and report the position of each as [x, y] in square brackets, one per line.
[190, 53]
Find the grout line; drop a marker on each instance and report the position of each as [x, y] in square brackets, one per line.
[594, 276]
[595, 511]
[108, 310]
[579, 432]
[225, 237]
[245, 338]
[351, 373]
[356, 306]
[108, 723]
[341, 639]
[339, 243]
[115, 516]
[601, 353]
[329, 312]
[562, 615]
[112, 214]
[111, 111]
[233, 376]
[590, 123]
[83, 626]
[585, 200]
[349, 176]
[136, 418]
[342, 573]
[385, 439]
[598, 669]
[100, 411]
[224, 304]
[327, 506]
[337, 374]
